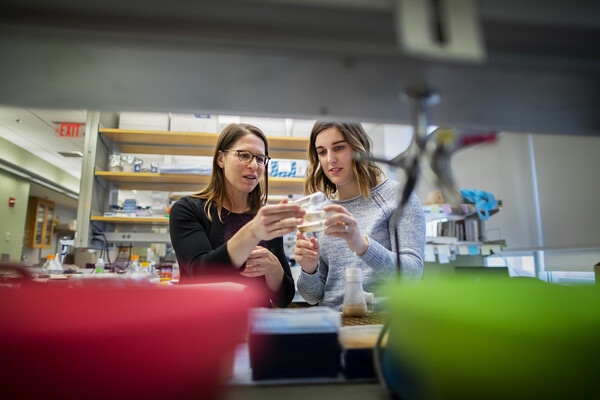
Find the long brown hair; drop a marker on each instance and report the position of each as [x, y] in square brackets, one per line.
[368, 174]
[215, 191]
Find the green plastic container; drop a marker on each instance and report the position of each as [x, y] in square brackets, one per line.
[516, 338]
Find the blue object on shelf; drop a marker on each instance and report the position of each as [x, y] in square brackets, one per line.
[483, 201]
[129, 206]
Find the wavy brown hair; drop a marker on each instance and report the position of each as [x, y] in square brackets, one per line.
[215, 191]
[368, 174]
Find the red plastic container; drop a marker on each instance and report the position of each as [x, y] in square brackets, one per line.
[99, 342]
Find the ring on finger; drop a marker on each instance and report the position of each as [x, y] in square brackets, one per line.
[346, 228]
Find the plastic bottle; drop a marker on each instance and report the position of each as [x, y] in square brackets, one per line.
[145, 270]
[152, 257]
[47, 265]
[58, 269]
[135, 268]
[154, 274]
[51, 266]
[165, 275]
[355, 304]
[175, 274]
[99, 267]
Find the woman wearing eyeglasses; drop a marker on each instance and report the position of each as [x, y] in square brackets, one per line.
[227, 227]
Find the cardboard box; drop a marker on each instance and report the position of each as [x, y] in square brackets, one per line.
[85, 256]
[194, 123]
[144, 121]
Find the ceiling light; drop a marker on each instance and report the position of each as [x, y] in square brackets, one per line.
[71, 154]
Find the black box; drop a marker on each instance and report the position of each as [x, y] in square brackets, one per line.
[357, 343]
[358, 363]
[294, 355]
[294, 343]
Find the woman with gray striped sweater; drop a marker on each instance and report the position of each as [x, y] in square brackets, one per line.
[357, 234]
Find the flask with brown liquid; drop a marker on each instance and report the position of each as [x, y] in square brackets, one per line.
[355, 304]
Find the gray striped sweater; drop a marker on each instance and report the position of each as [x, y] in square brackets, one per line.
[326, 286]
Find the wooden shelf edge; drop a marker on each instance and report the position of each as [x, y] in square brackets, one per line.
[145, 178]
[202, 138]
[134, 220]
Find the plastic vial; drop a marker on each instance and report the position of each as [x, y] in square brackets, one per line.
[314, 217]
[355, 304]
[99, 267]
[312, 226]
[318, 215]
[312, 201]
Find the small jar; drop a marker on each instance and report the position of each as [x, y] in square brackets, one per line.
[137, 165]
[355, 304]
[114, 162]
[127, 161]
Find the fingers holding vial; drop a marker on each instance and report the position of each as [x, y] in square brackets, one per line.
[306, 252]
[314, 217]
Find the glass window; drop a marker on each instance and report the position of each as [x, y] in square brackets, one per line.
[572, 277]
[518, 264]
[39, 224]
[49, 222]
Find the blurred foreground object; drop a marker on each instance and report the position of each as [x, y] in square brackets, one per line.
[501, 338]
[99, 342]
[430, 153]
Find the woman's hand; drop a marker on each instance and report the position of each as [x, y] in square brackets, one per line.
[262, 262]
[343, 225]
[306, 253]
[276, 220]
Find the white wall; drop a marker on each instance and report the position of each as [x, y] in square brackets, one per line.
[566, 170]
[388, 142]
[12, 219]
[503, 169]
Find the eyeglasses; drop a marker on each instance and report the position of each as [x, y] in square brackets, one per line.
[246, 157]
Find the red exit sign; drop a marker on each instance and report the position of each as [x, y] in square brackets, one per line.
[70, 129]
